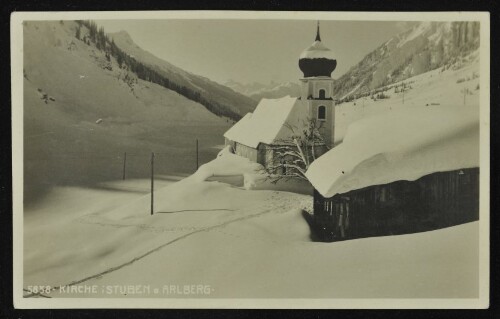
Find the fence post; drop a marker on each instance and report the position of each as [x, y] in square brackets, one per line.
[197, 154]
[124, 163]
[152, 181]
[403, 93]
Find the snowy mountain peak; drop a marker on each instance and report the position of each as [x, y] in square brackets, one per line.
[258, 91]
[425, 46]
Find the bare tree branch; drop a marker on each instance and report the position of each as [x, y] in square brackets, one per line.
[301, 152]
[294, 154]
[289, 153]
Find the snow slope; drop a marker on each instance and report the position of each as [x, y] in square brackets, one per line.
[243, 244]
[426, 46]
[64, 144]
[249, 259]
[91, 240]
[209, 90]
[432, 89]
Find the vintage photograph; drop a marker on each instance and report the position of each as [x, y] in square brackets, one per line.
[228, 159]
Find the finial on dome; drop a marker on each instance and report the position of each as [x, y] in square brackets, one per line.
[318, 38]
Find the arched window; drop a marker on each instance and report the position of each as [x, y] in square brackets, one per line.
[322, 113]
[321, 94]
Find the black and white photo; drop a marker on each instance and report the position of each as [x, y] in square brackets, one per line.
[231, 159]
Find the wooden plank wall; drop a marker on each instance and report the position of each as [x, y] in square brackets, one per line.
[434, 201]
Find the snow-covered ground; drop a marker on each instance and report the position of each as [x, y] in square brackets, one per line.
[240, 243]
[209, 230]
[432, 89]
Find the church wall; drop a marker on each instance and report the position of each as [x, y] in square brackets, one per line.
[326, 127]
[305, 89]
[310, 88]
[266, 155]
[245, 151]
[229, 142]
[322, 85]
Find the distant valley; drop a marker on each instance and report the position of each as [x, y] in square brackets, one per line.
[258, 91]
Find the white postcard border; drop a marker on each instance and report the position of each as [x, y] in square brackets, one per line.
[17, 170]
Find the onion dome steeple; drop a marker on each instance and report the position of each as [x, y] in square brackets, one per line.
[317, 60]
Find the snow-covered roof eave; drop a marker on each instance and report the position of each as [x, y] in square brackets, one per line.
[371, 155]
[237, 132]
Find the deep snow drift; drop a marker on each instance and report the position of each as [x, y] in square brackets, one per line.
[241, 243]
[405, 144]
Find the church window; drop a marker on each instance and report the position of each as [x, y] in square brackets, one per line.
[322, 113]
[321, 94]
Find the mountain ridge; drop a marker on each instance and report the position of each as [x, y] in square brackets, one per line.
[424, 47]
[217, 98]
[258, 91]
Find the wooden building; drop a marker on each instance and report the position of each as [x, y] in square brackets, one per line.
[407, 171]
[431, 202]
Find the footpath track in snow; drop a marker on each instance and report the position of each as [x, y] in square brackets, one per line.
[86, 219]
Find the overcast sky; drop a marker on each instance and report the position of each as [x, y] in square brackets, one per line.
[252, 50]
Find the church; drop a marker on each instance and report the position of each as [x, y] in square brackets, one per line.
[275, 122]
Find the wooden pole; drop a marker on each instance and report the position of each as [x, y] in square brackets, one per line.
[152, 181]
[197, 163]
[124, 163]
[403, 93]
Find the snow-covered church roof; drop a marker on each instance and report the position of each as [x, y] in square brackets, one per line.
[267, 123]
[317, 50]
[399, 145]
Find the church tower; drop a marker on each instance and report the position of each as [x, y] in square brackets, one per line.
[317, 64]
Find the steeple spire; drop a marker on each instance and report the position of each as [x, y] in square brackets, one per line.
[318, 38]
